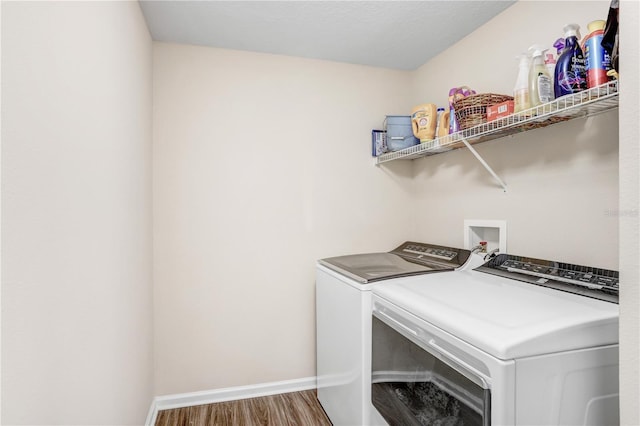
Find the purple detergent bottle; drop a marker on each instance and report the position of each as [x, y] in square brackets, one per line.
[570, 75]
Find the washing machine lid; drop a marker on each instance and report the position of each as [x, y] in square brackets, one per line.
[506, 318]
[370, 267]
[409, 259]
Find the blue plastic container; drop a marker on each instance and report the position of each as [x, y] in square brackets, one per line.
[400, 132]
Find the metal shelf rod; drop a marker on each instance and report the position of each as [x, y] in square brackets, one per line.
[484, 163]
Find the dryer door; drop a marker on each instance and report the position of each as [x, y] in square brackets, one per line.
[416, 382]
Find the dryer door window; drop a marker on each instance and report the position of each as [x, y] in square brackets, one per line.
[412, 386]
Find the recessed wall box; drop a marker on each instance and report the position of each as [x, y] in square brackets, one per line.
[494, 232]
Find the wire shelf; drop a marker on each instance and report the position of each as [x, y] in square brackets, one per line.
[589, 102]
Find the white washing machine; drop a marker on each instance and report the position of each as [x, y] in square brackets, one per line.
[516, 341]
[343, 320]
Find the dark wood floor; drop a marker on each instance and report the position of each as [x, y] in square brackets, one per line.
[287, 409]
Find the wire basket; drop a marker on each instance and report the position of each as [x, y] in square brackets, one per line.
[472, 110]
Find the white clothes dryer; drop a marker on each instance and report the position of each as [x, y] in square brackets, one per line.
[516, 341]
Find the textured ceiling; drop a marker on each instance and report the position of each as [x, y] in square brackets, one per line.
[390, 34]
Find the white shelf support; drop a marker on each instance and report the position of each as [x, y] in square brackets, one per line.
[484, 163]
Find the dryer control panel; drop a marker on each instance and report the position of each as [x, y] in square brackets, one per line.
[587, 281]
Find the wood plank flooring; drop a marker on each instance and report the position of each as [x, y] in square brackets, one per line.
[287, 409]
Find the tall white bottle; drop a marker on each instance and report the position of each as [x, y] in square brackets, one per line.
[521, 100]
[540, 83]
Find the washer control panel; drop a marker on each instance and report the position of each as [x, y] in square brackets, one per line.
[422, 253]
[430, 251]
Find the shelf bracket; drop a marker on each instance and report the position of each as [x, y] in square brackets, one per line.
[484, 163]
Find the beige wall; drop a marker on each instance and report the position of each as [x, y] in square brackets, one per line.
[562, 181]
[572, 166]
[76, 209]
[221, 188]
[260, 168]
[629, 218]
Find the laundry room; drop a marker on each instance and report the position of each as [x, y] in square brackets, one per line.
[166, 199]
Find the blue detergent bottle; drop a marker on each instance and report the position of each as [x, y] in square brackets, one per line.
[570, 74]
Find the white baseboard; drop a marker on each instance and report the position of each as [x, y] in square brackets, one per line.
[167, 402]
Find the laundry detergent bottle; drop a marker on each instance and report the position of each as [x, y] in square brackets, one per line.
[521, 89]
[570, 74]
[424, 120]
[597, 61]
[540, 86]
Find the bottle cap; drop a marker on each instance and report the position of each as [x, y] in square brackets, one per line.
[571, 30]
[596, 25]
